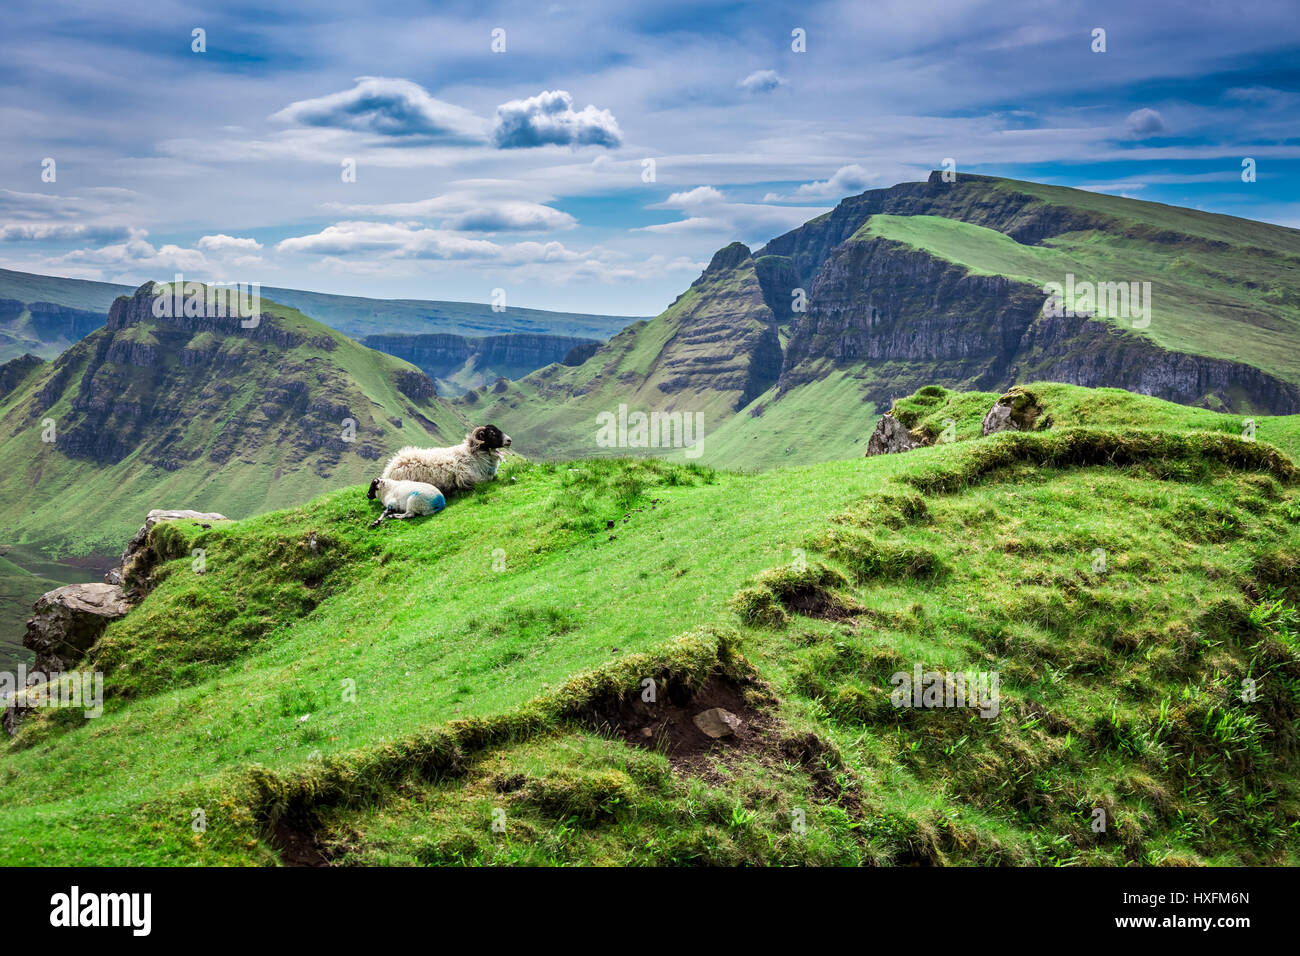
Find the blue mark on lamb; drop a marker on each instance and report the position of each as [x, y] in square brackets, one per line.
[405, 499]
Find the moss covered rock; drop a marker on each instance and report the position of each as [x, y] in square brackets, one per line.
[1017, 410]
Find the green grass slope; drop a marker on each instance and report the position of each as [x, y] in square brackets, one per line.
[470, 688]
[77, 293]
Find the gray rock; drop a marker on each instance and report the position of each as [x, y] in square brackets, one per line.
[890, 437]
[999, 420]
[137, 544]
[717, 722]
[68, 620]
[1017, 410]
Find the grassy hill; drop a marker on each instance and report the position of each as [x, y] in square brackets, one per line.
[387, 696]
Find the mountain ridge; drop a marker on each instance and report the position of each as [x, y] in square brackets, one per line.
[83, 304]
[945, 283]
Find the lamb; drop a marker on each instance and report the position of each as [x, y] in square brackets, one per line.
[457, 468]
[414, 498]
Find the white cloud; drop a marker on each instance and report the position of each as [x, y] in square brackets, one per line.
[40, 231]
[411, 240]
[222, 244]
[470, 211]
[405, 240]
[709, 213]
[387, 107]
[693, 198]
[139, 256]
[550, 119]
[847, 181]
[762, 81]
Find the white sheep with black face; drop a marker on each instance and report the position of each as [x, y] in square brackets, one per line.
[457, 468]
[405, 499]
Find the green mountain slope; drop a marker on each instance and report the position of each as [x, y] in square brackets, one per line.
[199, 413]
[710, 353]
[388, 696]
[944, 282]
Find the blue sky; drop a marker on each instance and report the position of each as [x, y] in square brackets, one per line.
[525, 169]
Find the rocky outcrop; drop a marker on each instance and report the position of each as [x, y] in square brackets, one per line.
[68, 620]
[1018, 410]
[890, 438]
[579, 354]
[138, 309]
[139, 559]
[15, 371]
[416, 385]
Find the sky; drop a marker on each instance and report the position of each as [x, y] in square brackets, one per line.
[592, 157]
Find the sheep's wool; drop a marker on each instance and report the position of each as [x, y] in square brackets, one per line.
[450, 469]
[435, 502]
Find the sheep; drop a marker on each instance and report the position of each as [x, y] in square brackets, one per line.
[457, 468]
[414, 498]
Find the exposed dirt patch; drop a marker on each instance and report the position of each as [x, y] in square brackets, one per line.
[817, 758]
[814, 602]
[508, 783]
[668, 723]
[297, 845]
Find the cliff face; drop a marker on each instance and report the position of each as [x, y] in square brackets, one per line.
[726, 338]
[52, 321]
[906, 317]
[1082, 351]
[880, 303]
[45, 330]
